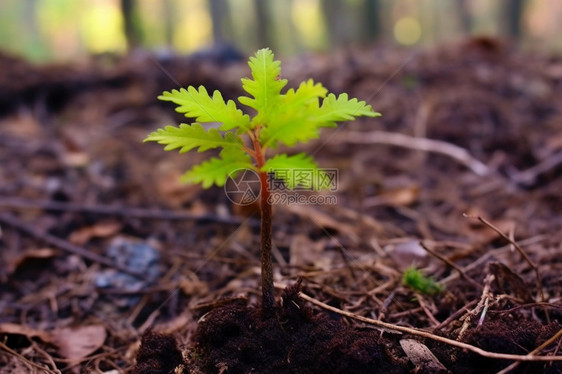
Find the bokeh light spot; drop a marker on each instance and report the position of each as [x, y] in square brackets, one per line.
[407, 31]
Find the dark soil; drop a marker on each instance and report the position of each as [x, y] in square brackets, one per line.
[100, 243]
[236, 339]
[510, 337]
[503, 336]
[158, 354]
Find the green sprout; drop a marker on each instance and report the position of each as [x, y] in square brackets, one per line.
[244, 141]
[415, 279]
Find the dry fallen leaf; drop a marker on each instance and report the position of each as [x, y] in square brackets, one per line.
[304, 252]
[422, 357]
[508, 282]
[101, 229]
[191, 287]
[79, 342]
[73, 152]
[401, 196]
[407, 252]
[171, 189]
[29, 254]
[15, 329]
[23, 125]
[73, 343]
[324, 220]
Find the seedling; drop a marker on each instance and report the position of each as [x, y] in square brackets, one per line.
[415, 279]
[277, 118]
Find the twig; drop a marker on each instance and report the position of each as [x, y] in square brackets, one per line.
[422, 144]
[483, 300]
[451, 264]
[426, 310]
[484, 310]
[533, 352]
[522, 253]
[22, 358]
[529, 305]
[47, 356]
[529, 176]
[386, 303]
[10, 220]
[425, 334]
[454, 316]
[15, 203]
[487, 255]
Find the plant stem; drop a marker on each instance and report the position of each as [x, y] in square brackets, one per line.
[268, 291]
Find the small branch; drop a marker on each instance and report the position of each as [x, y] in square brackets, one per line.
[533, 352]
[121, 211]
[9, 220]
[25, 360]
[425, 334]
[529, 176]
[426, 310]
[483, 300]
[451, 264]
[509, 240]
[530, 305]
[421, 144]
[523, 253]
[455, 315]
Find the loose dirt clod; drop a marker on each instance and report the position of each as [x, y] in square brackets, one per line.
[236, 339]
[158, 354]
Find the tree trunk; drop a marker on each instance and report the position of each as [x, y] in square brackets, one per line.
[220, 16]
[464, 16]
[263, 24]
[335, 16]
[514, 12]
[169, 23]
[132, 32]
[371, 17]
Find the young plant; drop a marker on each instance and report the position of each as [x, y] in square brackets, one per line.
[415, 279]
[277, 118]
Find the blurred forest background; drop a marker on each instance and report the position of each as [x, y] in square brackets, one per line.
[59, 30]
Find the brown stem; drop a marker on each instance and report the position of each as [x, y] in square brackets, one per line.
[268, 290]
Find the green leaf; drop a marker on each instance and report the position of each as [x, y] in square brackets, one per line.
[266, 86]
[306, 93]
[292, 121]
[300, 117]
[297, 170]
[289, 128]
[296, 116]
[204, 108]
[216, 170]
[186, 137]
[342, 109]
